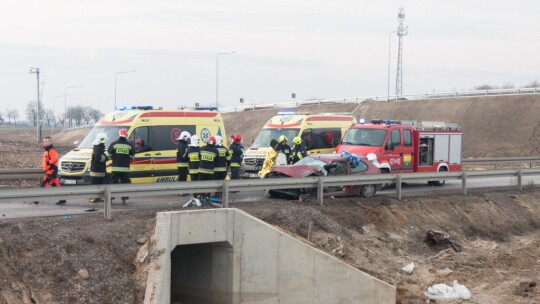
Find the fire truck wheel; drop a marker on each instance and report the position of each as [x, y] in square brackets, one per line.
[387, 185]
[439, 182]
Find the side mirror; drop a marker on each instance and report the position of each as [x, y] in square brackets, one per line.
[389, 146]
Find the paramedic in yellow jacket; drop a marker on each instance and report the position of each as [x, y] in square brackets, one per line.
[270, 159]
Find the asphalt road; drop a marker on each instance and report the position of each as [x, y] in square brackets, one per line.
[80, 206]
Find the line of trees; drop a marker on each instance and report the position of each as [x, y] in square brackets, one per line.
[532, 84]
[74, 115]
[9, 116]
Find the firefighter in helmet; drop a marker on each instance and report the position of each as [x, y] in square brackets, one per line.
[182, 160]
[236, 152]
[208, 163]
[298, 150]
[284, 148]
[121, 152]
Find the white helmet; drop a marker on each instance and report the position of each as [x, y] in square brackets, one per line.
[184, 136]
[219, 140]
[100, 137]
[194, 141]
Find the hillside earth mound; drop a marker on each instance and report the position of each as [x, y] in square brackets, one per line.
[85, 259]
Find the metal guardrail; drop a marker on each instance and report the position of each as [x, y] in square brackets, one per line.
[38, 173]
[440, 95]
[154, 189]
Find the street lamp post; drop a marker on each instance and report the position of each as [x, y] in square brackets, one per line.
[65, 99]
[115, 82]
[38, 119]
[389, 48]
[217, 75]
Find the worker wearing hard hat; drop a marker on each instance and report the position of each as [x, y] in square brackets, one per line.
[284, 148]
[298, 150]
[181, 155]
[121, 152]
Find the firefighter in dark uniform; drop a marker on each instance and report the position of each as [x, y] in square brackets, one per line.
[208, 163]
[223, 159]
[298, 150]
[181, 156]
[284, 148]
[193, 156]
[98, 165]
[121, 152]
[50, 164]
[236, 152]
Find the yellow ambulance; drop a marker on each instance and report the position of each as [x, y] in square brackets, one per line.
[320, 133]
[153, 133]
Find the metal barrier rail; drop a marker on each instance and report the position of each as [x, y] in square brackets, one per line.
[149, 190]
[38, 173]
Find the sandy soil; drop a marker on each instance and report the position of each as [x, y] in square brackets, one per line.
[85, 259]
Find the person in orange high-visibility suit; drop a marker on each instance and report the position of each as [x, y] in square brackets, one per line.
[50, 164]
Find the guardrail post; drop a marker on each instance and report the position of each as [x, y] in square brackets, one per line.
[225, 195]
[398, 186]
[107, 204]
[320, 192]
[464, 182]
[520, 179]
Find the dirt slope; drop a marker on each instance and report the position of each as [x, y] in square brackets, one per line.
[85, 259]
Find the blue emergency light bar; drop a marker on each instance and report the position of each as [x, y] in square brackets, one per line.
[123, 108]
[286, 113]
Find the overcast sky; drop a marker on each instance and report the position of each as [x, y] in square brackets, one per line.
[316, 49]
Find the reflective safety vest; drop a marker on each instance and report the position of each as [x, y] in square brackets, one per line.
[223, 158]
[121, 153]
[181, 155]
[193, 159]
[236, 153]
[208, 162]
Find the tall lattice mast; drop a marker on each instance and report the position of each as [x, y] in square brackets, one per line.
[402, 31]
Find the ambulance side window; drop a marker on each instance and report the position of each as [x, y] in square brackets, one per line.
[407, 138]
[139, 138]
[322, 138]
[164, 137]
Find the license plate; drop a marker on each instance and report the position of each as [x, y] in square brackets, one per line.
[253, 175]
[70, 182]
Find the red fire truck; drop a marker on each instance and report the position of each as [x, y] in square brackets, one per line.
[406, 146]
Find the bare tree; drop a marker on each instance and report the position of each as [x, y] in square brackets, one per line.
[485, 87]
[508, 85]
[31, 111]
[533, 84]
[49, 117]
[1, 119]
[14, 114]
[87, 114]
[75, 114]
[96, 115]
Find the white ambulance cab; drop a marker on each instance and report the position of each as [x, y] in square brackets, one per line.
[153, 133]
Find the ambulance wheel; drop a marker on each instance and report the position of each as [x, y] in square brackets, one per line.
[439, 182]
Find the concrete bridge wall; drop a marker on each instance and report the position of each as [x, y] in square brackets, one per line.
[228, 256]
